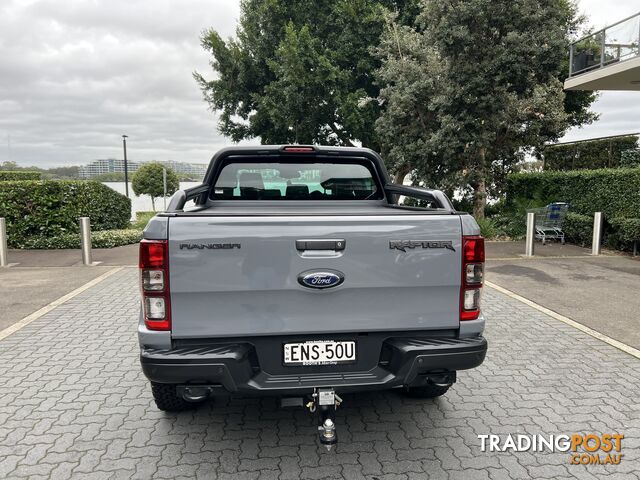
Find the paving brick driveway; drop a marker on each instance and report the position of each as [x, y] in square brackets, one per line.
[73, 403]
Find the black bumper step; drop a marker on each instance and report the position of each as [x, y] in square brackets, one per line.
[234, 366]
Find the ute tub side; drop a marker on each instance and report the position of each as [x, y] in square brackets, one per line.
[469, 224]
[157, 228]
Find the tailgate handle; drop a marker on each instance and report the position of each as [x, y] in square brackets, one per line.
[305, 245]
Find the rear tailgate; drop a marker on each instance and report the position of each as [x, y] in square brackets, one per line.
[239, 276]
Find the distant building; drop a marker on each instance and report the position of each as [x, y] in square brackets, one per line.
[106, 165]
[191, 169]
[113, 165]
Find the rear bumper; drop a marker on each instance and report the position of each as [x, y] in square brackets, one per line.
[234, 367]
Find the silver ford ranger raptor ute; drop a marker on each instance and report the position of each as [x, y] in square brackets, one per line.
[302, 272]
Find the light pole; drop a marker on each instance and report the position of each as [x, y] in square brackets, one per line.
[126, 169]
[164, 186]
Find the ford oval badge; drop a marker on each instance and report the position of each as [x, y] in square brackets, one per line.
[320, 278]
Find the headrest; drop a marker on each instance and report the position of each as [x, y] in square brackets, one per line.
[296, 192]
[251, 179]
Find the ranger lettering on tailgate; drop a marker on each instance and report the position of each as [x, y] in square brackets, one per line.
[209, 246]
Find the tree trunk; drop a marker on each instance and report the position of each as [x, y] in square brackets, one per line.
[480, 190]
[403, 171]
[479, 199]
[153, 203]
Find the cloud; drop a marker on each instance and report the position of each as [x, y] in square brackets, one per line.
[75, 75]
[618, 115]
[618, 110]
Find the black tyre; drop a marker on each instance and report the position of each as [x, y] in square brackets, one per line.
[425, 391]
[167, 399]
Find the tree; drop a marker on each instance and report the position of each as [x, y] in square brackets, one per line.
[409, 77]
[64, 172]
[147, 180]
[300, 71]
[55, 173]
[108, 177]
[9, 165]
[474, 87]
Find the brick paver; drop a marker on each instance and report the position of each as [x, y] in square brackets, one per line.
[74, 403]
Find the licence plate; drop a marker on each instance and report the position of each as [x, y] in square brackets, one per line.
[321, 352]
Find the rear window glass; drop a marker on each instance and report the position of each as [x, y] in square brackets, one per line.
[295, 181]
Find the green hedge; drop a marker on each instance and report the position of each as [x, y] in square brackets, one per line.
[618, 233]
[52, 208]
[589, 155]
[10, 175]
[624, 232]
[578, 229]
[628, 229]
[102, 239]
[142, 218]
[630, 158]
[615, 192]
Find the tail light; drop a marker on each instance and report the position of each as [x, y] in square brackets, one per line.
[154, 284]
[472, 276]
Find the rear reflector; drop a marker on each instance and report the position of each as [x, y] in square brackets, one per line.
[469, 315]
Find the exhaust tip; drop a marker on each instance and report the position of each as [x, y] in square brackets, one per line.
[448, 384]
[444, 380]
[196, 393]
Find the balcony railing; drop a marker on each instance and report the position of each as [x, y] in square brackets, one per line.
[613, 44]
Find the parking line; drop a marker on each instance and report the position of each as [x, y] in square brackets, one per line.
[589, 331]
[47, 308]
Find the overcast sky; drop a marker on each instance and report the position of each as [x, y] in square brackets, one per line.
[77, 74]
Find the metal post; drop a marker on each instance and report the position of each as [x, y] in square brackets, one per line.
[164, 185]
[4, 262]
[571, 60]
[126, 169]
[597, 233]
[602, 46]
[531, 224]
[85, 240]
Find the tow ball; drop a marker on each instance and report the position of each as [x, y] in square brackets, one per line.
[325, 401]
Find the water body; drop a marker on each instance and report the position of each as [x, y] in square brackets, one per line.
[142, 203]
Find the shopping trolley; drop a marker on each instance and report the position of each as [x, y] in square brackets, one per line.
[549, 220]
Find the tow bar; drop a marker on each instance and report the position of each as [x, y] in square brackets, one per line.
[325, 401]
